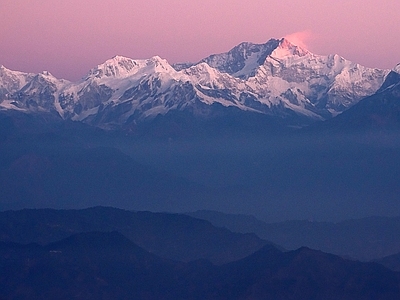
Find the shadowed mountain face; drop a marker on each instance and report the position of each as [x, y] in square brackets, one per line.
[108, 266]
[379, 112]
[172, 236]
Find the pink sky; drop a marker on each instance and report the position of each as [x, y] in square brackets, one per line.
[70, 37]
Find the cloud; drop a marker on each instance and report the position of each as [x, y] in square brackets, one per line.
[301, 38]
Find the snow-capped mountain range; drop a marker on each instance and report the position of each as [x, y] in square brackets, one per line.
[277, 78]
[378, 111]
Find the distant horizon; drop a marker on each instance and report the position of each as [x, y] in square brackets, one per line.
[69, 38]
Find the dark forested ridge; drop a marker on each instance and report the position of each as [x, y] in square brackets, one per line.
[171, 236]
[80, 263]
[364, 239]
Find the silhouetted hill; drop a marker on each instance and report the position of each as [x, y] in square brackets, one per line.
[98, 265]
[308, 274]
[234, 222]
[364, 239]
[172, 236]
[85, 266]
[391, 262]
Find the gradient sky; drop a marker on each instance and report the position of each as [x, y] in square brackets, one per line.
[69, 37]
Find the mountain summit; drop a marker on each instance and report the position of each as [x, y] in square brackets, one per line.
[397, 68]
[277, 79]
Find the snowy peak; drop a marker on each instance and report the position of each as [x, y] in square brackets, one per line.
[12, 81]
[44, 78]
[397, 68]
[46, 73]
[122, 67]
[48, 77]
[276, 78]
[4, 72]
[118, 66]
[204, 75]
[287, 49]
[242, 60]
[159, 64]
[391, 80]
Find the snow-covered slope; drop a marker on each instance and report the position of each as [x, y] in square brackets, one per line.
[379, 111]
[322, 83]
[276, 78]
[243, 60]
[10, 83]
[397, 68]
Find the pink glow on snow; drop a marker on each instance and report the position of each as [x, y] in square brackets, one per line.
[70, 37]
[300, 38]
